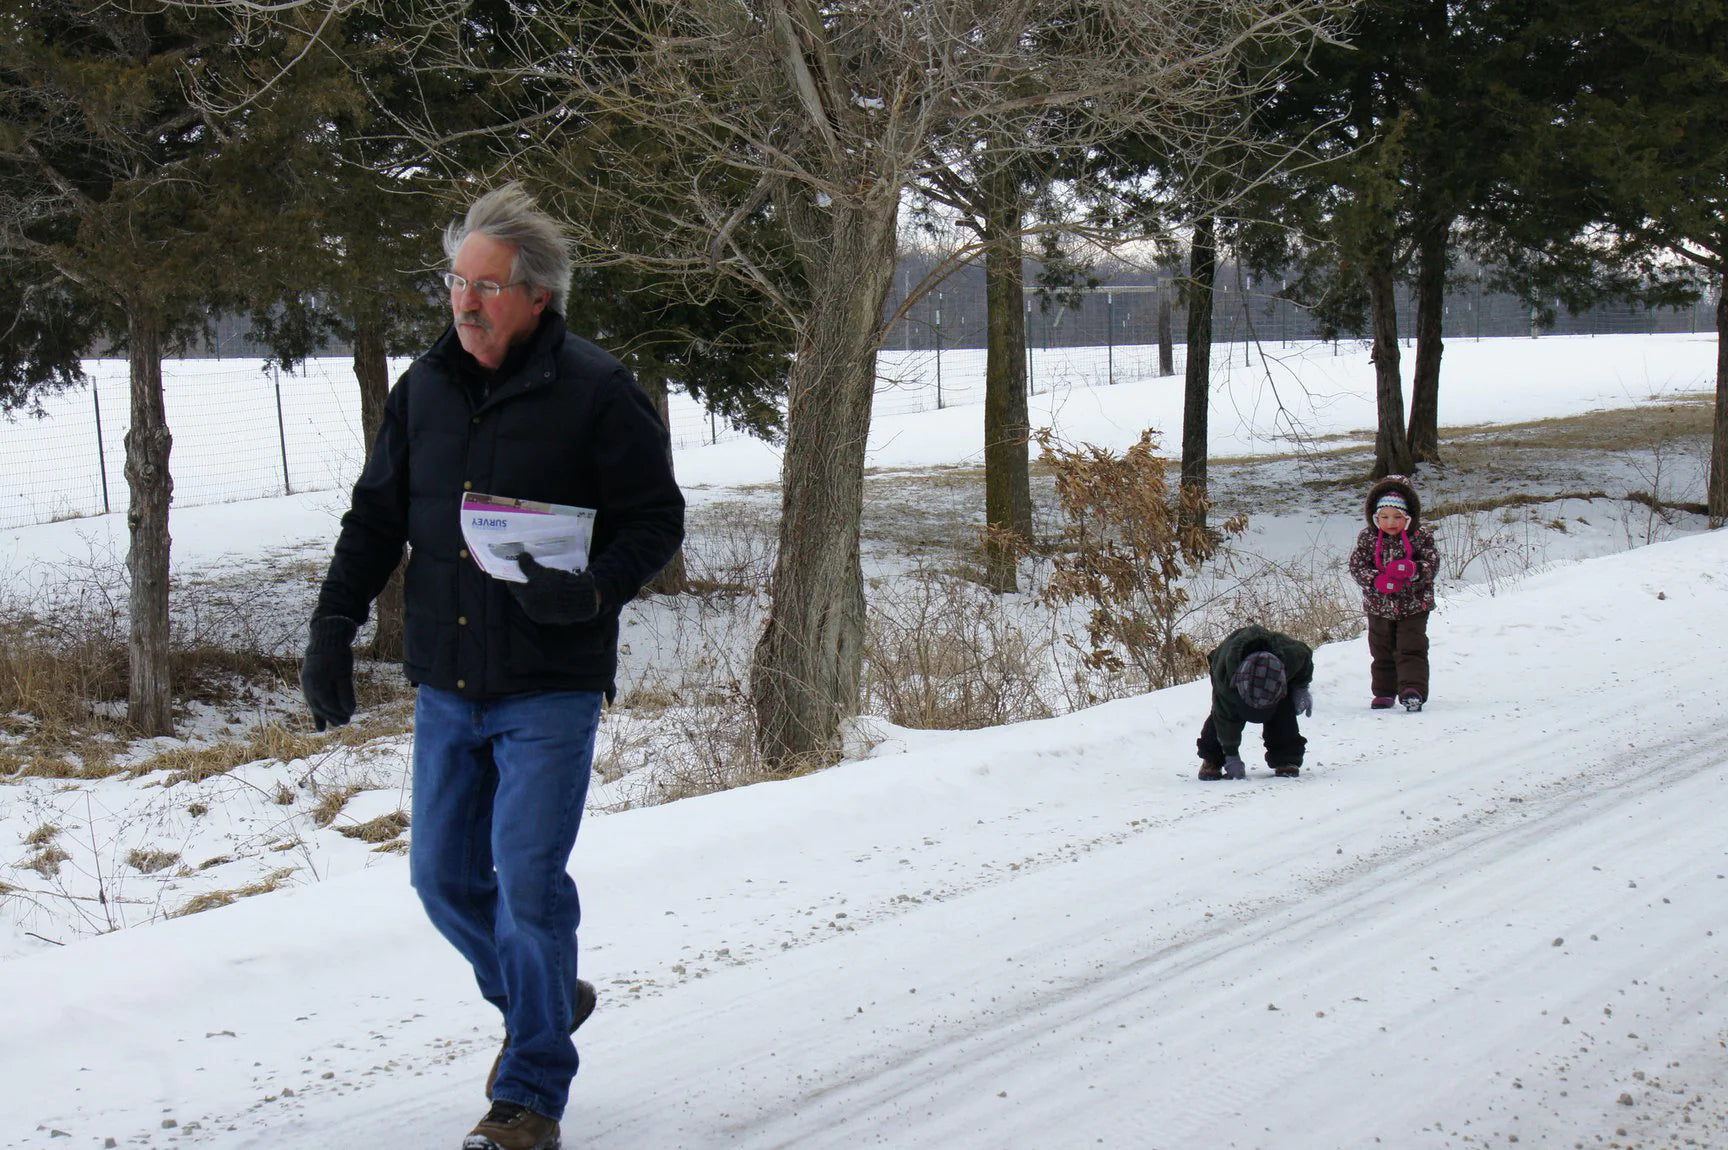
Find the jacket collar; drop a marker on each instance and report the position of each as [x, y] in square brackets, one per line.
[530, 363]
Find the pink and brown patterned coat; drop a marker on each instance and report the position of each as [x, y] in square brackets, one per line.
[1418, 595]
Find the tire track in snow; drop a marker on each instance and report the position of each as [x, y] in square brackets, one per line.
[1306, 921]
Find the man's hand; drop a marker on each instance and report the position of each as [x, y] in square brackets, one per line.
[327, 671]
[1234, 767]
[1302, 700]
[553, 596]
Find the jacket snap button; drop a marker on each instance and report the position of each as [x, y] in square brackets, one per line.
[461, 620]
[462, 554]
[467, 486]
[460, 683]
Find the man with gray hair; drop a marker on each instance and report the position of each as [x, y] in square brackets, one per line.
[509, 675]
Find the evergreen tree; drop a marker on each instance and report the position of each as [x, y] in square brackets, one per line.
[128, 196]
[1642, 144]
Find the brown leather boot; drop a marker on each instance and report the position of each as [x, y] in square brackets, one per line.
[586, 998]
[508, 1126]
[1210, 772]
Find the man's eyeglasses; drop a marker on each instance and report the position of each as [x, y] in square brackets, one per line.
[485, 289]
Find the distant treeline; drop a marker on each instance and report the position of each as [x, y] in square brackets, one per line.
[1121, 307]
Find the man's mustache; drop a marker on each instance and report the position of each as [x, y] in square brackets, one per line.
[473, 318]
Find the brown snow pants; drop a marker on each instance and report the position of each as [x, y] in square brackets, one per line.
[1400, 651]
[1398, 648]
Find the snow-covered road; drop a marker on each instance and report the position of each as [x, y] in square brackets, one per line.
[1501, 918]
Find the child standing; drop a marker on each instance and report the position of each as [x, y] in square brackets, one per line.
[1395, 561]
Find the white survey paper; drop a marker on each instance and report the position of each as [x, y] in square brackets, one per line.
[497, 529]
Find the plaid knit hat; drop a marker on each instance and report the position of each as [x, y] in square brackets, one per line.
[1393, 499]
[1259, 681]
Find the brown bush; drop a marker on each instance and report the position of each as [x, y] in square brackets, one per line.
[1129, 546]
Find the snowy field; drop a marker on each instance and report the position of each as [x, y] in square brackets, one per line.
[243, 432]
[1501, 920]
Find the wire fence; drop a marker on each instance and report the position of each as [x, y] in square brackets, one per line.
[241, 431]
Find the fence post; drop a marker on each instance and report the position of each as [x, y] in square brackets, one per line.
[1110, 337]
[281, 432]
[101, 455]
[1032, 384]
[938, 325]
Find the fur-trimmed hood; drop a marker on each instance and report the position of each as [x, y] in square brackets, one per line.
[1402, 485]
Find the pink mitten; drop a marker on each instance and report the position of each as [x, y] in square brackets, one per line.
[1395, 576]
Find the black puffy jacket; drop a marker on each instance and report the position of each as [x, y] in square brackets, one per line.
[561, 422]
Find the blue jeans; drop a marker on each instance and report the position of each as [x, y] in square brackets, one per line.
[499, 787]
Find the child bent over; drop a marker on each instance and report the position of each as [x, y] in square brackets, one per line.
[1395, 561]
[1258, 676]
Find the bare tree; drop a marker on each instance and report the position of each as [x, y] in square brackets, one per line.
[824, 118]
[835, 113]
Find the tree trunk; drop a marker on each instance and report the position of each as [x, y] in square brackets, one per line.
[1716, 497]
[804, 680]
[674, 578]
[1007, 424]
[150, 703]
[1432, 257]
[1166, 340]
[1391, 447]
[1197, 381]
[372, 372]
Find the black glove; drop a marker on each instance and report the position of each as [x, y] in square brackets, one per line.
[327, 671]
[553, 596]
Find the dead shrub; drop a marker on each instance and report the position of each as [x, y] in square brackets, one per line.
[1130, 544]
[941, 653]
[730, 547]
[703, 745]
[1309, 602]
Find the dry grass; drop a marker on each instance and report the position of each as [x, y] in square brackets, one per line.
[330, 802]
[941, 653]
[379, 830]
[269, 741]
[1618, 429]
[210, 900]
[45, 860]
[151, 861]
[42, 835]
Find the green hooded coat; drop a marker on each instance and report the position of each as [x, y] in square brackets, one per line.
[1227, 714]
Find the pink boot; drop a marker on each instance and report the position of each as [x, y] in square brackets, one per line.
[1381, 703]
